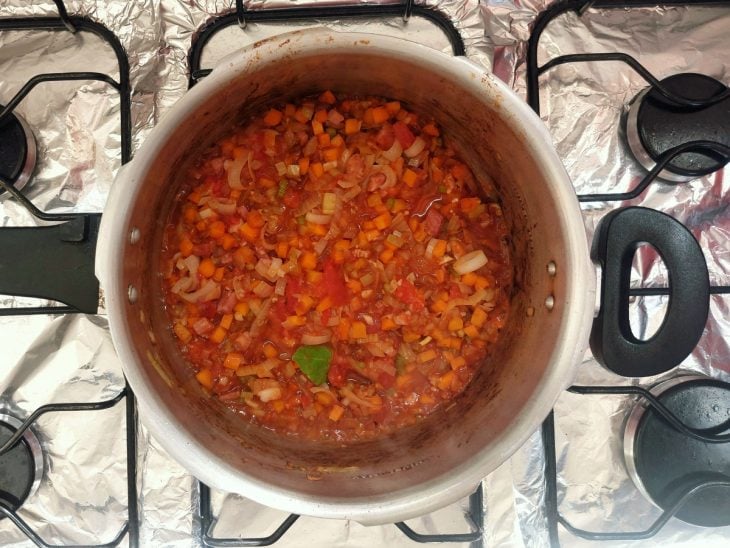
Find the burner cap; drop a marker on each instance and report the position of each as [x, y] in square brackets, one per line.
[654, 125]
[21, 468]
[17, 151]
[664, 463]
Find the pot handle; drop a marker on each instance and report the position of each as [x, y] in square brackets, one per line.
[613, 344]
[52, 262]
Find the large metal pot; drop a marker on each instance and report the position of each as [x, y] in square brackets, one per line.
[442, 459]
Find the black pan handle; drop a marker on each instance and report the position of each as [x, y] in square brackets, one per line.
[618, 235]
[52, 262]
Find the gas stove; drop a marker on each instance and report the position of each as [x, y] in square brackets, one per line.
[636, 97]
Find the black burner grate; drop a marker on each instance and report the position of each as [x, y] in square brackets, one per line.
[76, 233]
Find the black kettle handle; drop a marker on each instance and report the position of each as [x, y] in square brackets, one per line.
[618, 235]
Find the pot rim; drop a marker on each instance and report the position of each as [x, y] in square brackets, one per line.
[435, 493]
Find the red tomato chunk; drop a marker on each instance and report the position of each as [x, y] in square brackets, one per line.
[330, 272]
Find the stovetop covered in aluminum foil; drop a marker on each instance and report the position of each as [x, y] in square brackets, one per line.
[70, 358]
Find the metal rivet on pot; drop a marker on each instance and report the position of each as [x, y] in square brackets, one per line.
[552, 268]
[550, 302]
[134, 236]
[132, 294]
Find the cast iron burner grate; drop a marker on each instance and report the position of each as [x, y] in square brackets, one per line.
[683, 496]
[664, 463]
[17, 150]
[21, 467]
[656, 124]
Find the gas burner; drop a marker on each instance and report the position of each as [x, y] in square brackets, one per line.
[17, 151]
[21, 468]
[655, 125]
[664, 463]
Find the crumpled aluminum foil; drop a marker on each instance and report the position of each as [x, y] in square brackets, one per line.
[46, 359]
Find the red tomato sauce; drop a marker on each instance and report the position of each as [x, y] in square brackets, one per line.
[330, 271]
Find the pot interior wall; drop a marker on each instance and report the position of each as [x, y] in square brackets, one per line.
[449, 439]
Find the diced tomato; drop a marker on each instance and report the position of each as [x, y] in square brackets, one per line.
[203, 326]
[432, 222]
[334, 283]
[226, 303]
[292, 198]
[386, 380]
[337, 374]
[403, 134]
[291, 295]
[408, 294]
[326, 315]
[385, 137]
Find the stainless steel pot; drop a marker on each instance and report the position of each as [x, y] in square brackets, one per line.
[416, 470]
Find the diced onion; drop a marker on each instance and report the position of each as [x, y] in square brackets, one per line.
[394, 152]
[280, 288]
[430, 247]
[390, 178]
[329, 200]
[320, 246]
[318, 218]
[268, 394]
[224, 207]
[208, 292]
[470, 262]
[192, 262]
[309, 339]
[329, 166]
[234, 172]
[350, 194]
[263, 289]
[292, 170]
[183, 285]
[206, 213]
[416, 148]
[280, 168]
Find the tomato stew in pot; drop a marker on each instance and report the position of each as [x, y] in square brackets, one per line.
[330, 271]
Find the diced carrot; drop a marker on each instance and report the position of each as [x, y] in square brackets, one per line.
[324, 398]
[205, 377]
[352, 126]
[241, 308]
[481, 283]
[358, 330]
[328, 97]
[186, 247]
[206, 267]
[392, 107]
[445, 380]
[337, 141]
[266, 182]
[317, 169]
[410, 177]
[278, 406]
[226, 321]
[219, 273]
[317, 127]
[471, 331]
[244, 256]
[457, 362]
[182, 332]
[314, 276]
[270, 139]
[228, 241]
[255, 219]
[308, 260]
[270, 350]
[440, 275]
[303, 165]
[336, 413]
[273, 117]
[282, 250]
[467, 204]
[324, 304]
[218, 335]
[321, 116]
[469, 278]
[386, 255]
[439, 306]
[331, 154]
[380, 115]
[250, 233]
[387, 324]
[316, 229]
[456, 323]
[459, 171]
[398, 205]
[427, 355]
[295, 321]
[374, 200]
[383, 221]
[410, 336]
[190, 214]
[367, 117]
[217, 229]
[478, 317]
[430, 129]
[324, 139]
[304, 305]
[343, 328]
[233, 360]
[371, 235]
[201, 226]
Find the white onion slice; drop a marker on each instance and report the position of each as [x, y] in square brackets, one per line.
[234, 172]
[268, 394]
[223, 206]
[208, 292]
[309, 339]
[394, 152]
[320, 246]
[280, 288]
[192, 262]
[470, 262]
[416, 148]
[318, 218]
